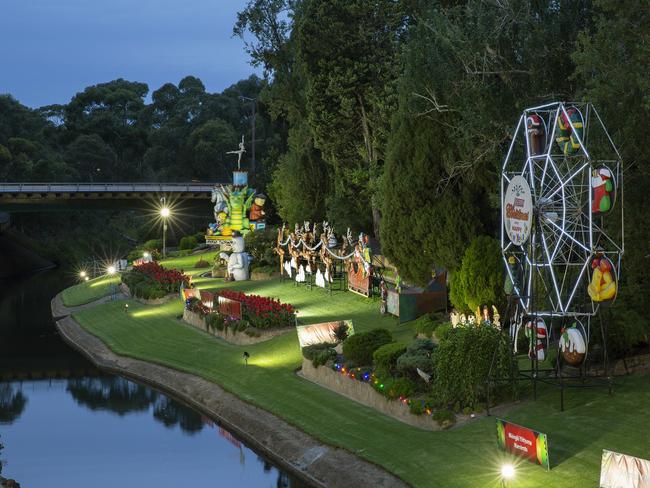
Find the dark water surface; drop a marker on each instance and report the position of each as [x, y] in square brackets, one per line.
[63, 423]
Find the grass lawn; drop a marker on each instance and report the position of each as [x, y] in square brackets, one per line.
[89, 291]
[463, 457]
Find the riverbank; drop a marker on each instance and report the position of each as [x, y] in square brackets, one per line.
[315, 463]
[463, 457]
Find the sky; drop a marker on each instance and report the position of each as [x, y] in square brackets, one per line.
[52, 49]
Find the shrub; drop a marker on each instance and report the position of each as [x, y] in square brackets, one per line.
[252, 332]
[260, 244]
[319, 354]
[442, 331]
[188, 242]
[152, 245]
[359, 348]
[385, 358]
[416, 407]
[202, 263]
[425, 325]
[480, 277]
[444, 417]
[398, 387]
[215, 321]
[417, 356]
[462, 363]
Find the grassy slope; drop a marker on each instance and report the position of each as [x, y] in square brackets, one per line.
[462, 457]
[89, 291]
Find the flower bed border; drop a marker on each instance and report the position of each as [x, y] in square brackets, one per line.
[365, 394]
[237, 338]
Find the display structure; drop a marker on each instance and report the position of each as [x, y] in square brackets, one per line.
[561, 231]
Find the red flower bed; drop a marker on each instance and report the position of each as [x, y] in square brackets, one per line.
[169, 278]
[263, 312]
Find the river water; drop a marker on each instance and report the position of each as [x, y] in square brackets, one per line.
[63, 423]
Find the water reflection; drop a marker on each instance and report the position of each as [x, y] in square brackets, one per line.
[12, 403]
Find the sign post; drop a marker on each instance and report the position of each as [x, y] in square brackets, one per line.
[523, 442]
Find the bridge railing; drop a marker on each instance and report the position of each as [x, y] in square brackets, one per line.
[105, 187]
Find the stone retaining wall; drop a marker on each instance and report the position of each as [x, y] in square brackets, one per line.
[237, 338]
[366, 395]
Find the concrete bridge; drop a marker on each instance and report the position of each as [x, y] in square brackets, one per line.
[25, 196]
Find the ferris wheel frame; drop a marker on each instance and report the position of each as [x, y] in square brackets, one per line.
[564, 238]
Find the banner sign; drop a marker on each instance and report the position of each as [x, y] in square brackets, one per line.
[623, 471]
[523, 442]
[518, 210]
[321, 333]
[229, 307]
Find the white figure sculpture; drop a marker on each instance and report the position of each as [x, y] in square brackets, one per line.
[238, 260]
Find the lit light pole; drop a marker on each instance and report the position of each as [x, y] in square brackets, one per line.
[254, 100]
[164, 213]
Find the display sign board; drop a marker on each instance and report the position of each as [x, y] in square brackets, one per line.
[321, 333]
[623, 471]
[518, 210]
[229, 307]
[523, 442]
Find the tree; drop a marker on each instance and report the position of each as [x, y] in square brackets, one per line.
[349, 49]
[479, 280]
[207, 147]
[92, 158]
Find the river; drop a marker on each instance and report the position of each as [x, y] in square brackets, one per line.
[63, 423]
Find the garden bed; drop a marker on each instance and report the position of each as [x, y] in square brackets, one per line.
[239, 338]
[148, 301]
[365, 394]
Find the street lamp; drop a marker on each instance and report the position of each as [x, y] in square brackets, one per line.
[164, 213]
[254, 103]
[82, 274]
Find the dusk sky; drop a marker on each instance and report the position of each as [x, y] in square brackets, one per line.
[51, 50]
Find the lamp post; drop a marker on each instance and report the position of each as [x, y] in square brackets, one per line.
[254, 100]
[164, 213]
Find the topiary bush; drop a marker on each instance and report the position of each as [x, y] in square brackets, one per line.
[480, 277]
[202, 263]
[385, 358]
[359, 348]
[260, 244]
[462, 363]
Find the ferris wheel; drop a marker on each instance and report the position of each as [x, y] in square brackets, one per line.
[562, 215]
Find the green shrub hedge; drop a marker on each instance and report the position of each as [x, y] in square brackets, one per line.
[319, 354]
[462, 363]
[359, 348]
[386, 356]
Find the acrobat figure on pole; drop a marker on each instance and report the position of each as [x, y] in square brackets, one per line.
[239, 152]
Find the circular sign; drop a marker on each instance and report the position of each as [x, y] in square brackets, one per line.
[518, 210]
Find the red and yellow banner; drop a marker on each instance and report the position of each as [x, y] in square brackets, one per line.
[523, 442]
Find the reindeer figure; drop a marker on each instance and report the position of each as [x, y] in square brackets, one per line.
[278, 249]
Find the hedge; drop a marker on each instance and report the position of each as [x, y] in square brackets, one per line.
[359, 348]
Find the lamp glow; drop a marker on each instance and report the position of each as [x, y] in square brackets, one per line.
[86, 278]
[164, 212]
[145, 254]
[82, 274]
[111, 270]
[507, 471]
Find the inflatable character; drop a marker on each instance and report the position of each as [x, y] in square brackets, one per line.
[573, 345]
[602, 186]
[238, 260]
[238, 203]
[603, 283]
[537, 339]
[570, 132]
[536, 130]
[257, 211]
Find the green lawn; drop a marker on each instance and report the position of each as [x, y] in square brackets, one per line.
[462, 457]
[89, 291]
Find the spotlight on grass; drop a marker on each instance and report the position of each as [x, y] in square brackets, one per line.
[86, 278]
[507, 473]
